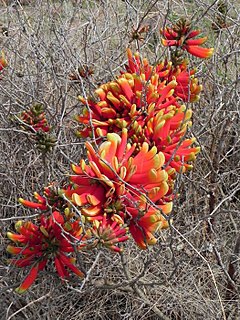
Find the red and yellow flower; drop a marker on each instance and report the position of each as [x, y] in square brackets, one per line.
[49, 199]
[117, 178]
[123, 100]
[146, 222]
[167, 129]
[146, 100]
[108, 233]
[113, 170]
[50, 238]
[181, 35]
[187, 87]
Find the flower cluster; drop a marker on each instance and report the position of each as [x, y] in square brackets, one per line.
[34, 121]
[125, 186]
[181, 35]
[49, 199]
[107, 233]
[147, 101]
[50, 238]
[132, 174]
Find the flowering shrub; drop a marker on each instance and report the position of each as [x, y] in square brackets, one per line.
[125, 187]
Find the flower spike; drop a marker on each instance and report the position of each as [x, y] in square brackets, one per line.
[181, 36]
[50, 238]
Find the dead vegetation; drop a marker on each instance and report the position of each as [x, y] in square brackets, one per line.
[193, 272]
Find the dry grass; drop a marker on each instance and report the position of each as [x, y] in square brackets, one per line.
[193, 272]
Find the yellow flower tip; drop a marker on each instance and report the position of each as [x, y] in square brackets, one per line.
[61, 193]
[117, 219]
[177, 158]
[198, 149]
[165, 224]
[9, 235]
[114, 137]
[137, 54]
[76, 117]
[68, 226]
[173, 83]
[76, 198]
[210, 52]
[164, 42]
[15, 237]
[10, 249]
[153, 218]
[129, 52]
[171, 171]
[99, 132]
[66, 211]
[19, 290]
[78, 134]
[183, 169]
[100, 92]
[192, 156]
[21, 200]
[81, 99]
[73, 166]
[152, 241]
[195, 99]
[44, 231]
[124, 130]
[18, 224]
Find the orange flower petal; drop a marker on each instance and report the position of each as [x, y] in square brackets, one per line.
[28, 281]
